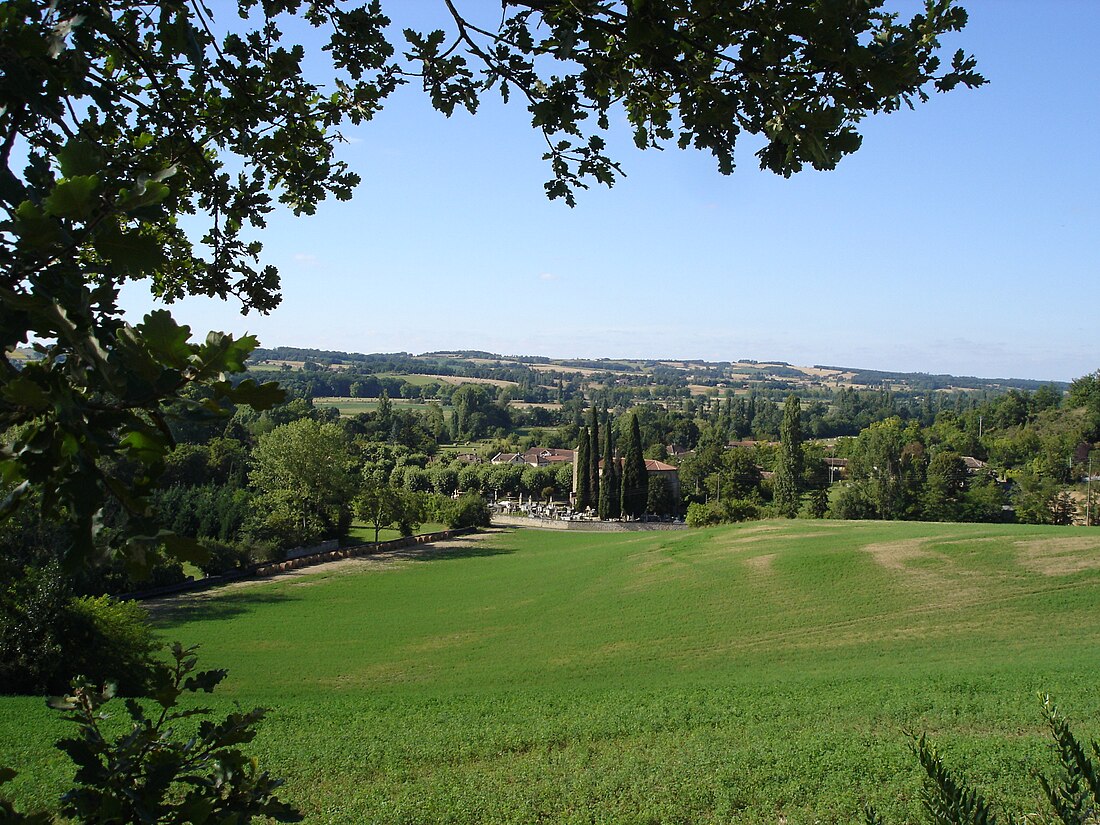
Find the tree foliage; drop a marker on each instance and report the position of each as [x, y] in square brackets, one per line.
[594, 448]
[301, 471]
[635, 483]
[381, 505]
[610, 494]
[787, 484]
[698, 75]
[582, 500]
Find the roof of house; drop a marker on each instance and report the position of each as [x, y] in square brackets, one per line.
[547, 454]
[652, 465]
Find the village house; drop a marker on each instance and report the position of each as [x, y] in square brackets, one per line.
[535, 457]
[973, 465]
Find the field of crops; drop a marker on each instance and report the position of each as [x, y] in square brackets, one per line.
[355, 406]
[736, 674]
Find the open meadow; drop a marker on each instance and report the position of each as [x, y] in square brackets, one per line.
[734, 674]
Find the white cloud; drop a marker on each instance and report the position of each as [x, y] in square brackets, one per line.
[547, 276]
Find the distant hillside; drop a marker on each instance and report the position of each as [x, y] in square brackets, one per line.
[664, 377]
[938, 382]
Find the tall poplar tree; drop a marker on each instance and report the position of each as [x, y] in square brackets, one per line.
[634, 483]
[725, 416]
[788, 468]
[583, 501]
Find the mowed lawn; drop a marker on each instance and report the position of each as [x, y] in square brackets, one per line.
[735, 674]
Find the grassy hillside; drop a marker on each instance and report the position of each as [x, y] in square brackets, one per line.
[732, 674]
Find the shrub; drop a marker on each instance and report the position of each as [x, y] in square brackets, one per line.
[262, 552]
[1074, 795]
[722, 512]
[110, 640]
[47, 637]
[32, 618]
[703, 515]
[224, 558]
[468, 511]
[851, 502]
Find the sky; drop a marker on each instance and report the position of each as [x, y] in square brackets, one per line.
[962, 238]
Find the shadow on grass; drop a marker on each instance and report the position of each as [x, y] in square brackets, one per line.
[215, 604]
[466, 551]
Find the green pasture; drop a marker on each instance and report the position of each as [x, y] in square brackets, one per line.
[412, 378]
[735, 674]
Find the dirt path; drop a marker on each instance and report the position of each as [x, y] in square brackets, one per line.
[385, 560]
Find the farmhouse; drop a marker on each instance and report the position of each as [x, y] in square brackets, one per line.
[973, 465]
[535, 457]
[670, 474]
[837, 467]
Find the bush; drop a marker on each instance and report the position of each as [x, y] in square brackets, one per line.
[468, 511]
[262, 552]
[703, 515]
[1074, 794]
[110, 640]
[32, 631]
[722, 512]
[47, 637]
[224, 558]
[852, 503]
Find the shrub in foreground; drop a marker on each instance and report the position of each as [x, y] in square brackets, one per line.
[1074, 794]
[153, 773]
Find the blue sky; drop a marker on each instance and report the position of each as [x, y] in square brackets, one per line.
[962, 238]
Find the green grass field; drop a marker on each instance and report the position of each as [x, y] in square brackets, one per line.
[734, 674]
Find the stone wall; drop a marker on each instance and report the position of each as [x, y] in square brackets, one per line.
[585, 526]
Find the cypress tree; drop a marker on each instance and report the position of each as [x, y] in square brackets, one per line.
[725, 416]
[659, 497]
[594, 457]
[635, 485]
[610, 505]
[788, 468]
[580, 474]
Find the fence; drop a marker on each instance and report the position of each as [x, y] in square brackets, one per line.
[272, 568]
